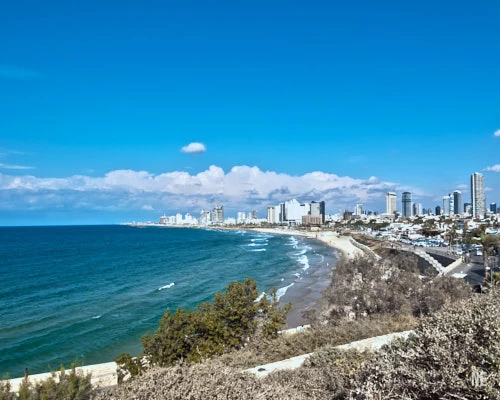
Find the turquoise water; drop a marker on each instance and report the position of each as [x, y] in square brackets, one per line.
[91, 292]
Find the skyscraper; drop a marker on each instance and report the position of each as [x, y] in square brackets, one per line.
[417, 209]
[457, 201]
[446, 205]
[493, 208]
[406, 203]
[390, 203]
[477, 194]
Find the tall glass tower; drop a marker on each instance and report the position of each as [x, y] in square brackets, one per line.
[457, 201]
[406, 203]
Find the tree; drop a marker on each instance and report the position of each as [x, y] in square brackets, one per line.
[214, 328]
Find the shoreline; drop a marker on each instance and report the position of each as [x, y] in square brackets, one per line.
[341, 243]
[307, 294]
[319, 277]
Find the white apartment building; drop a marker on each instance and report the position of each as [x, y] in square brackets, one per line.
[390, 203]
[477, 195]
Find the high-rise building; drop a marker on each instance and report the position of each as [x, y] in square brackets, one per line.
[406, 203]
[218, 214]
[457, 201]
[318, 210]
[477, 194]
[271, 214]
[446, 205]
[390, 203]
[468, 208]
[493, 208]
[438, 210]
[358, 210]
[417, 209]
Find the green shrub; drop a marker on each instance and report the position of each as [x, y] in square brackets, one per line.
[214, 328]
[5, 393]
[63, 386]
[454, 354]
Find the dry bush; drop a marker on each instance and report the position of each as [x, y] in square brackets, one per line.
[362, 287]
[454, 354]
[204, 381]
[327, 374]
[265, 351]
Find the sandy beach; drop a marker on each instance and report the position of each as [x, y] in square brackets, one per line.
[341, 243]
[307, 293]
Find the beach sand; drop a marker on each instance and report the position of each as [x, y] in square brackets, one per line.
[308, 292]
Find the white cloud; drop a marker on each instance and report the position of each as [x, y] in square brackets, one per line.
[493, 168]
[194, 148]
[497, 133]
[243, 188]
[463, 187]
[9, 166]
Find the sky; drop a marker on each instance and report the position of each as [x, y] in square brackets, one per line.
[123, 111]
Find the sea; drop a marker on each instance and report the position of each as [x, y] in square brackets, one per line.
[86, 294]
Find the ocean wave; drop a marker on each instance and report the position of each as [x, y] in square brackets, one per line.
[258, 250]
[167, 286]
[260, 239]
[97, 316]
[304, 261]
[301, 252]
[256, 244]
[293, 242]
[281, 291]
[261, 296]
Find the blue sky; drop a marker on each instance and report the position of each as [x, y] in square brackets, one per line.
[325, 100]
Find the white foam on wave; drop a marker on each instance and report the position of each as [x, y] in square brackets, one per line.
[167, 286]
[281, 291]
[293, 242]
[257, 244]
[304, 261]
[261, 296]
[258, 250]
[301, 252]
[97, 316]
[259, 239]
[297, 275]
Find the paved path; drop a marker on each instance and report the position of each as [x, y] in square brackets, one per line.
[296, 362]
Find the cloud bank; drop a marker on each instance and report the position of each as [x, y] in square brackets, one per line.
[10, 166]
[497, 133]
[493, 168]
[194, 148]
[242, 188]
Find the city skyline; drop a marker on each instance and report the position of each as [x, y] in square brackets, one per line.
[113, 114]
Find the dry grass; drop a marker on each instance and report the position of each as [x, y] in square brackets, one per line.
[263, 351]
